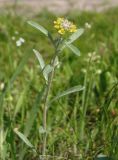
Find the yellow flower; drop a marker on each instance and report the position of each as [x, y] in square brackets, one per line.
[64, 26]
[61, 31]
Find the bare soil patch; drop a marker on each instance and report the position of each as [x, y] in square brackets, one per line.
[61, 6]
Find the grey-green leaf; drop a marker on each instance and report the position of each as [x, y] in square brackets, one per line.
[74, 49]
[42, 130]
[46, 71]
[40, 58]
[24, 138]
[39, 27]
[75, 36]
[102, 157]
[72, 38]
[56, 62]
[69, 91]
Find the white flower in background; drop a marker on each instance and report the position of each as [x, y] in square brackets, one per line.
[2, 85]
[87, 25]
[20, 41]
[90, 55]
[16, 32]
[99, 71]
[13, 38]
[102, 156]
[84, 70]
[94, 57]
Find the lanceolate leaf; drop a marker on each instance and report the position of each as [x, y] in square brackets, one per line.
[102, 157]
[75, 36]
[72, 38]
[46, 71]
[45, 68]
[24, 138]
[74, 49]
[69, 91]
[40, 58]
[39, 27]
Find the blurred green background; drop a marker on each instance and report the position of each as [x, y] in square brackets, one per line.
[21, 83]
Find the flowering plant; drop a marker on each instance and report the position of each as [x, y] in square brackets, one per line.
[63, 26]
[67, 34]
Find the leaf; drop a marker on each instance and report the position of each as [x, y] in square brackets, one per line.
[46, 71]
[19, 68]
[69, 91]
[42, 130]
[74, 49]
[31, 119]
[75, 36]
[45, 68]
[56, 62]
[102, 157]
[20, 101]
[72, 38]
[39, 27]
[103, 82]
[33, 113]
[40, 58]
[11, 82]
[10, 138]
[24, 138]
[3, 137]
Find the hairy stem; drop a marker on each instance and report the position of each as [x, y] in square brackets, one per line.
[51, 75]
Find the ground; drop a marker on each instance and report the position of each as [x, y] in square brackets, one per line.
[62, 6]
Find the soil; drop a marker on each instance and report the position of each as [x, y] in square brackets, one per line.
[60, 6]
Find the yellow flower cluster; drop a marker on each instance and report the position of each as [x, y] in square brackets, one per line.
[64, 26]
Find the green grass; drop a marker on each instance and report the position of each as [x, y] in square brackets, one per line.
[21, 104]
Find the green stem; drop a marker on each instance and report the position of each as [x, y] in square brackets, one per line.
[46, 104]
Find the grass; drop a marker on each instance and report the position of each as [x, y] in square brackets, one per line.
[81, 125]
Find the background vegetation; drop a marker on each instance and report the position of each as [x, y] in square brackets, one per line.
[21, 87]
